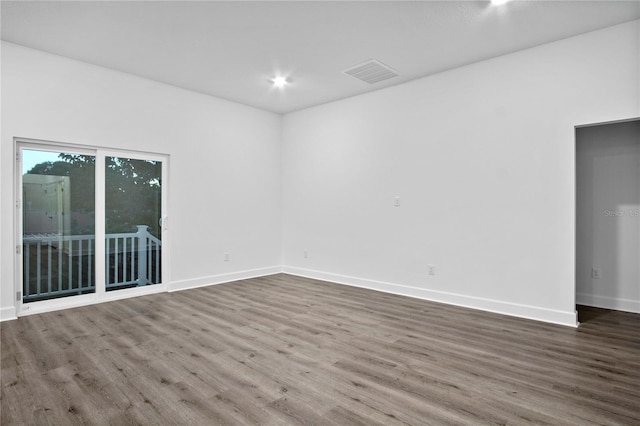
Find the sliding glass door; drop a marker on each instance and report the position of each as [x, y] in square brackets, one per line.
[91, 224]
[58, 226]
[133, 212]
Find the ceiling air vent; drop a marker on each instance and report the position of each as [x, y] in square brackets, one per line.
[371, 72]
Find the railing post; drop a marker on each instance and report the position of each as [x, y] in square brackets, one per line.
[142, 254]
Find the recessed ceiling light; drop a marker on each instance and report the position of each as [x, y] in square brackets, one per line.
[280, 81]
[499, 2]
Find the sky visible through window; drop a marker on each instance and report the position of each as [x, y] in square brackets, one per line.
[30, 158]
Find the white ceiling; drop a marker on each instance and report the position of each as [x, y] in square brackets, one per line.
[230, 49]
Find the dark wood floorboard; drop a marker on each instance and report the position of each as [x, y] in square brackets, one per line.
[287, 350]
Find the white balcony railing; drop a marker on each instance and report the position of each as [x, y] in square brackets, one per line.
[63, 265]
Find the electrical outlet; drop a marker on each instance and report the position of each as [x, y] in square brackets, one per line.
[596, 273]
[306, 254]
[226, 257]
[431, 269]
[396, 201]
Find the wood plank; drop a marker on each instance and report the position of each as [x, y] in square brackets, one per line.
[289, 350]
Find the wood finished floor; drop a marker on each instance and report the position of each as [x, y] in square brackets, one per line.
[289, 350]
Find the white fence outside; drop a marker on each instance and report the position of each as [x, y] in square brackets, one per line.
[63, 265]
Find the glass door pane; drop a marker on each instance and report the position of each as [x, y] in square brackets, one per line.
[133, 232]
[58, 224]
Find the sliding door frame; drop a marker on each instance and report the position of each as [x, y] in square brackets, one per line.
[100, 294]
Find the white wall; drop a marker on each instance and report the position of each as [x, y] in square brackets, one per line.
[608, 215]
[225, 178]
[483, 158]
[8, 311]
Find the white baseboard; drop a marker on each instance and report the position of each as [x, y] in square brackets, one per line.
[89, 299]
[8, 313]
[522, 311]
[605, 302]
[496, 306]
[223, 278]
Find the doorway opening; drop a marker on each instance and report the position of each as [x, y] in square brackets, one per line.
[608, 216]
